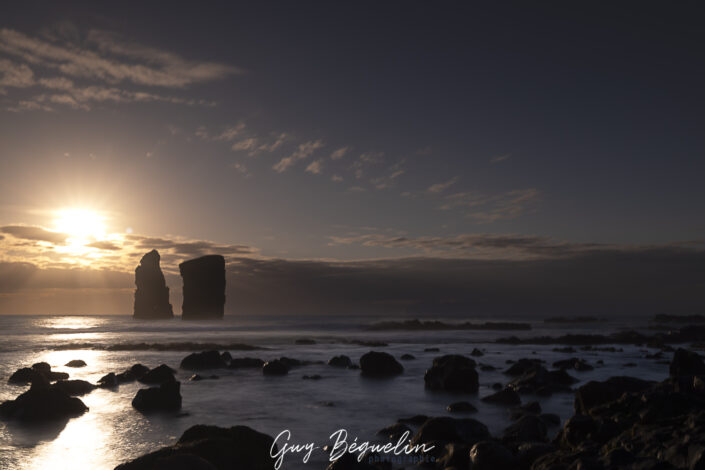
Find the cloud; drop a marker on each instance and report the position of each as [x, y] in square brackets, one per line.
[500, 158]
[304, 151]
[103, 245]
[187, 247]
[248, 144]
[336, 178]
[490, 208]
[315, 167]
[242, 169]
[15, 75]
[34, 233]
[340, 153]
[440, 187]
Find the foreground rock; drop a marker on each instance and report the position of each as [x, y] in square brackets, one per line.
[379, 364]
[74, 387]
[166, 397]
[204, 360]
[686, 362]
[152, 294]
[538, 380]
[275, 367]
[204, 288]
[211, 447]
[42, 403]
[40, 371]
[158, 375]
[453, 373]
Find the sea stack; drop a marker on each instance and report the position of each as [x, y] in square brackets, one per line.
[152, 294]
[204, 288]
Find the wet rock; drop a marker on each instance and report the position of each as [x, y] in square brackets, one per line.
[195, 378]
[158, 375]
[203, 360]
[238, 447]
[245, 363]
[453, 373]
[275, 367]
[133, 373]
[40, 371]
[573, 363]
[312, 377]
[487, 367]
[379, 364]
[152, 293]
[166, 397]
[74, 387]
[108, 381]
[446, 429]
[461, 407]
[595, 393]
[533, 408]
[42, 403]
[497, 386]
[505, 397]
[416, 420]
[522, 366]
[477, 353]
[528, 428]
[395, 431]
[407, 357]
[452, 455]
[686, 362]
[490, 455]
[203, 288]
[340, 361]
[529, 452]
[226, 357]
[542, 382]
[76, 363]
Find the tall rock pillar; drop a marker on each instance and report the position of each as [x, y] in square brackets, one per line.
[204, 288]
[152, 294]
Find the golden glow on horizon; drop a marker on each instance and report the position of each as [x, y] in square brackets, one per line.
[87, 232]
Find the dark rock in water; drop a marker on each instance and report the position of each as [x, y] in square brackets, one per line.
[203, 360]
[304, 341]
[490, 455]
[573, 363]
[446, 429]
[505, 397]
[431, 350]
[542, 382]
[312, 377]
[416, 420]
[210, 447]
[567, 349]
[407, 357]
[522, 366]
[340, 361]
[195, 378]
[395, 431]
[166, 397]
[245, 363]
[477, 353]
[461, 407]
[529, 452]
[42, 403]
[686, 362]
[158, 375]
[133, 373]
[453, 373]
[290, 362]
[487, 367]
[45, 369]
[275, 367]
[108, 381]
[74, 387]
[40, 372]
[453, 455]
[76, 363]
[226, 357]
[379, 364]
[497, 386]
[204, 287]
[595, 393]
[528, 428]
[531, 408]
[551, 419]
[152, 294]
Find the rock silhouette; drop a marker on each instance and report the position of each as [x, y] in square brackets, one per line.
[204, 287]
[152, 294]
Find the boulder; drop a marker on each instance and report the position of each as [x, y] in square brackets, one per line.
[158, 375]
[166, 397]
[74, 387]
[522, 366]
[686, 362]
[529, 428]
[133, 373]
[340, 361]
[540, 381]
[203, 360]
[531, 408]
[453, 373]
[152, 294]
[395, 431]
[407, 357]
[42, 403]
[595, 393]
[573, 363]
[210, 447]
[40, 371]
[76, 363]
[204, 288]
[275, 367]
[379, 364]
[245, 363]
[490, 455]
[505, 397]
[108, 381]
[477, 353]
[445, 429]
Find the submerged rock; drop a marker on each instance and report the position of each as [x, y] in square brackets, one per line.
[152, 294]
[379, 364]
[204, 287]
[166, 397]
[211, 447]
[42, 403]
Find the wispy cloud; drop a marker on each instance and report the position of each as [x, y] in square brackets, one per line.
[440, 187]
[500, 158]
[34, 233]
[340, 153]
[489, 208]
[304, 151]
[315, 167]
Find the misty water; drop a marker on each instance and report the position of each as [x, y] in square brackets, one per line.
[113, 432]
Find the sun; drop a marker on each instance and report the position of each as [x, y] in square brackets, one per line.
[81, 225]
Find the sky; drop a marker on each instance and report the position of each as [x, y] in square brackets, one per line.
[356, 157]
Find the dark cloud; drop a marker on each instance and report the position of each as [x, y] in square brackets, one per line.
[16, 276]
[30, 232]
[104, 246]
[189, 247]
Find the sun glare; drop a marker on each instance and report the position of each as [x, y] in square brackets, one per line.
[80, 224]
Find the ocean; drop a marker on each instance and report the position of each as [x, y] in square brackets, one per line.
[113, 432]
